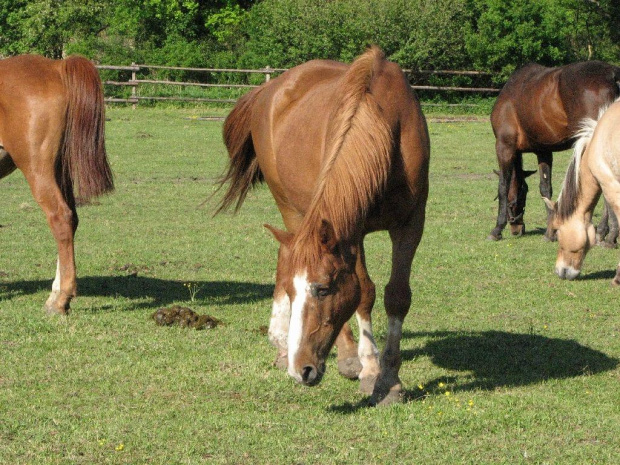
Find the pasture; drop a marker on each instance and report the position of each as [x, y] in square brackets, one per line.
[502, 361]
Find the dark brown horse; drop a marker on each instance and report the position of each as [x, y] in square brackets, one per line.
[344, 151]
[52, 129]
[539, 110]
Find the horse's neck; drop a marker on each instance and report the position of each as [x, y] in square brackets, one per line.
[589, 188]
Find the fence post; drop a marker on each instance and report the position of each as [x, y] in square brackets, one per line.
[134, 92]
[267, 73]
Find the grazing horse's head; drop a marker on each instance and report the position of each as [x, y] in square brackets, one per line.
[576, 236]
[324, 292]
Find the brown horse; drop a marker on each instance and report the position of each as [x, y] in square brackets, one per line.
[52, 129]
[345, 152]
[539, 110]
[595, 168]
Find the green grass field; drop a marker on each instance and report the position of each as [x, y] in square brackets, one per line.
[503, 362]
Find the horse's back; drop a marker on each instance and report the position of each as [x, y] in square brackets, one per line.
[603, 151]
[540, 107]
[291, 130]
[29, 75]
[288, 125]
[529, 111]
[587, 86]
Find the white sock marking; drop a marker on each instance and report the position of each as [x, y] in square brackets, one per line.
[56, 283]
[367, 347]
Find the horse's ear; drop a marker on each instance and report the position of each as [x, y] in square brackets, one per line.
[327, 236]
[550, 204]
[283, 237]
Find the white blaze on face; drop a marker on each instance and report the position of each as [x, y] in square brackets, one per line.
[278, 326]
[300, 282]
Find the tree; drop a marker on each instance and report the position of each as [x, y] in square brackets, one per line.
[506, 35]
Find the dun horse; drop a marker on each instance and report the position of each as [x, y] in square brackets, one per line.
[595, 168]
[52, 129]
[345, 152]
[539, 110]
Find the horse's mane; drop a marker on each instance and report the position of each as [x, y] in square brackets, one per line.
[356, 161]
[569, 193]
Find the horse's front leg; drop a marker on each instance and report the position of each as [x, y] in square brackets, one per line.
[349, 364]
[397, 299]
[280, 315]
[367, 351]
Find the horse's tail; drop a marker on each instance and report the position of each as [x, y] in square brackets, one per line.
[359, 147]
[83, 163]
[243, 171]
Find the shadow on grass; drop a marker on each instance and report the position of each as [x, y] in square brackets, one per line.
[605, 274]
[490, 360]
[151, 292]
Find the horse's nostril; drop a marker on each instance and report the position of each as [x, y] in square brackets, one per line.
[309, 374]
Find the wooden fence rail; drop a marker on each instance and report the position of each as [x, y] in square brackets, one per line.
[135, 83]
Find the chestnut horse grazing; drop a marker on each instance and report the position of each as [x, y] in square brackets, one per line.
[539, 110]
[595, 168]
[345, 152]
[52, 129]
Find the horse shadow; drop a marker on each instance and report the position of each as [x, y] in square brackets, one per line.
[489, 360]
[147, 292]
[604, 274]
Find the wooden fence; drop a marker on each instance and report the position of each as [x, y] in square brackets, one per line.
[134, 82]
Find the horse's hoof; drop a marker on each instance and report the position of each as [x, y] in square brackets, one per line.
[607, 244]
[350, 367]
[367, 384]
[52, 307]
[616, 282]
[393, 396]
[493, 237]
[54, 310]
[281, 362]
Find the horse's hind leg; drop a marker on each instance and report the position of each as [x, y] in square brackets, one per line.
[506, 155]
[614, 229]
[545, 165]
[607, 229]
[62, 219]
[603, 227]
[612, 202]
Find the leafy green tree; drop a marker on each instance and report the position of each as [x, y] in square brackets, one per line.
[46, 26]
[504, 35]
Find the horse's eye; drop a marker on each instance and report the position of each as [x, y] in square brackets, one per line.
[318, 290]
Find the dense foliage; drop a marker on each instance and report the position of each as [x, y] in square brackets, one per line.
[490, 35]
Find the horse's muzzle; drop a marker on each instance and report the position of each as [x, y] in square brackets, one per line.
[310, 375]
[569, 273]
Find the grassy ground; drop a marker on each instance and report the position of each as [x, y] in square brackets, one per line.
[503, 362]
